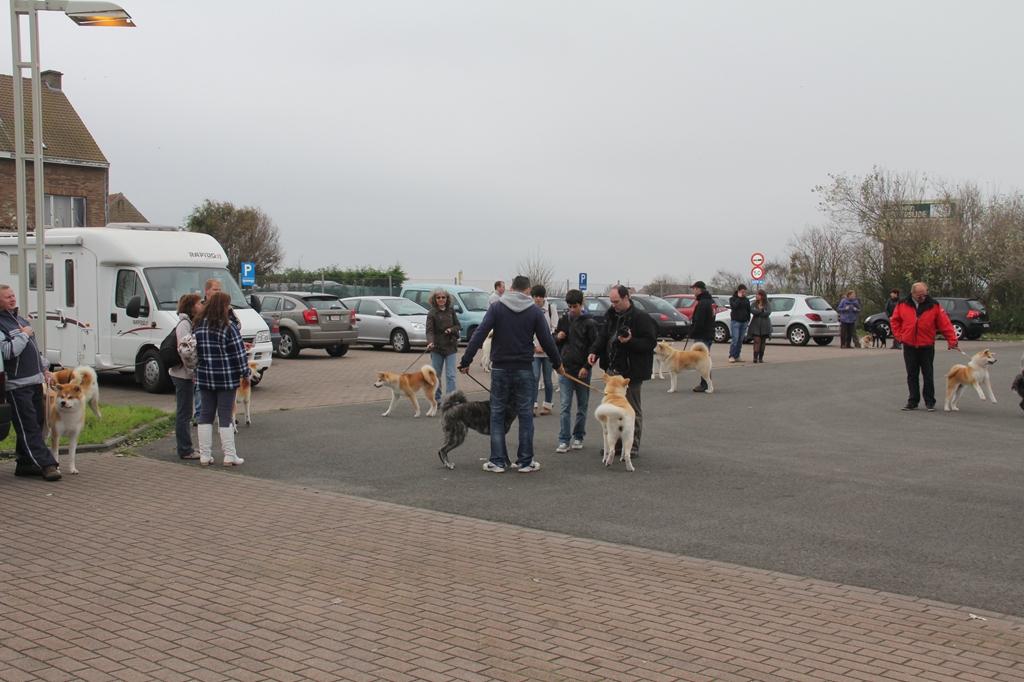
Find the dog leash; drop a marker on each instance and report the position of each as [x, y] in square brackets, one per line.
[414, 362]
[477, 382]
[581, 383]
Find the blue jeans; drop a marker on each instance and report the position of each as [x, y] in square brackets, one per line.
[220, 403]
[542, 368]
[512, 389]
[702, 382]
[437, 360]
[568, 388]
[184, 393]
[739, 331]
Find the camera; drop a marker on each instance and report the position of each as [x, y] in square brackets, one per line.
[624, 331]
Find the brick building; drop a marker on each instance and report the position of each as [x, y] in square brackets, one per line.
[77, 175]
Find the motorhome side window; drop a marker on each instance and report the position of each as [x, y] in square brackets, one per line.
[128, 285]
[32, 276]
[69, 283]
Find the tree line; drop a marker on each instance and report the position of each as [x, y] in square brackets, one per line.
[890, 229]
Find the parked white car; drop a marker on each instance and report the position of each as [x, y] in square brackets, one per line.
[389, 320]
[797, 317]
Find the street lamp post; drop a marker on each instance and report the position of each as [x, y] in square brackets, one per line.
[83, 13]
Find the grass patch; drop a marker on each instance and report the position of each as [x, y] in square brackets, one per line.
[118, 420]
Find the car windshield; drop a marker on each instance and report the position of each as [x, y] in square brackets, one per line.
[474, 300]
[403, 306]
[324, 303]
[170, 284]
[818, 303]
[661, 305]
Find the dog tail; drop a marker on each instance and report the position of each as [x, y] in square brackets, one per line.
[700, 348]
[453, 399]
[430, 375]
[86, 376]
[955, 369]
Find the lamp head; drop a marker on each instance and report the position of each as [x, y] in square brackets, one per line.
[95, 13]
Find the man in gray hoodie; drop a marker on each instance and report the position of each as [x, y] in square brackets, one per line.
[26, 373]
[515, 319]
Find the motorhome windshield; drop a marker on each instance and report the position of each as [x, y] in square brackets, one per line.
[170, 284]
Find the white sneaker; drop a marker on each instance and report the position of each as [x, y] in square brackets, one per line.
[562, 447]
[494, 469]
[530, 468]
[577, 445]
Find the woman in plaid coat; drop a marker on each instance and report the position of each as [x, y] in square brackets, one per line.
[223, 363]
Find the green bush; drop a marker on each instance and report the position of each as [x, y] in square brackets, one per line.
[1006, 319]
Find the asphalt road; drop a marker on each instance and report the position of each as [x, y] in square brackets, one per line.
[806, 468]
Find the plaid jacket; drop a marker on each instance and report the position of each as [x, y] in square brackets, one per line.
[222, 358]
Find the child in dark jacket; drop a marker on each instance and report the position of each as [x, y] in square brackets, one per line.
[575, 334]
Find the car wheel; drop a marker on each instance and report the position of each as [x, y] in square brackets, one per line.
[289, 347]
[721, 333]
[959, 329]
[823, 340]
[470, 332]
[337, 350]
[400, 341]
[152, 373]
[885, 326]
[798, 335]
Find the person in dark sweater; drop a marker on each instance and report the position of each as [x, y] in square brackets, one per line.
[515, 319]
[575, 333]
[739, 318]
[890, 308]
[625, 346]
[703, 323]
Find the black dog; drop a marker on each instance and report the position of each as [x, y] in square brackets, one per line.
[1018, 383]
[880, 337]
[458, 415]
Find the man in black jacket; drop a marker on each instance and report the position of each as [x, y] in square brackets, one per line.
[739, 316]
[625, 346]
[890, 308]
[703, 323]
[575, 333]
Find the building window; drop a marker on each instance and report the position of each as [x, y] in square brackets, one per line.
[63, 211]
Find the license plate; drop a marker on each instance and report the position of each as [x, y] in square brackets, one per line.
[333, 318]
[833, 327]
[987, 324]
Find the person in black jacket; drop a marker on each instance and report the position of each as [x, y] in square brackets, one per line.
[739, 317]
[890, 308]
[575, 333]
[625, 346]
[703, 323]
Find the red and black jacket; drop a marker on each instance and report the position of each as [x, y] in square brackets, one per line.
[917, 325]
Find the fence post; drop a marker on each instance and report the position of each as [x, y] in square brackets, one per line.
[391, 291]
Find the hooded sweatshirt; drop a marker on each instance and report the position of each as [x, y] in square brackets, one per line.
[515, 320]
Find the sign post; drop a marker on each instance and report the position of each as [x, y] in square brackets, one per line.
[247, 276]
[583, 281]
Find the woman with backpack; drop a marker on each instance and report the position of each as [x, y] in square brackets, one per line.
[184, 378]
[223, 366]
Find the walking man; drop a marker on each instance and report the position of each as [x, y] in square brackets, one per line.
[516, 320]
[625, 346]
[26, 373]
[499, 289]
[890, 308]
[739, 318]
[915, 322]
[702, 326]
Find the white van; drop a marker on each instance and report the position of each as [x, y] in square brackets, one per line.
[96, 275]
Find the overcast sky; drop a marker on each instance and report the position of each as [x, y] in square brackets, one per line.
[625, 139]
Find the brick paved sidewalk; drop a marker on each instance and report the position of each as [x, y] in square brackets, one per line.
[139, 569]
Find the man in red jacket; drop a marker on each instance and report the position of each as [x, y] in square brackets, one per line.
[915, 322]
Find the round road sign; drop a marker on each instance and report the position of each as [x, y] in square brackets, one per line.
[756, 273]
[758, 260]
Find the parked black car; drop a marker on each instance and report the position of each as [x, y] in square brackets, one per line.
[968, 315]
[671, 323]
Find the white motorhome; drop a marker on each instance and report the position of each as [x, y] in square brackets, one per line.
[112, 294]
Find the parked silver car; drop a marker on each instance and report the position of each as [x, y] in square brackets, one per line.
[384, 320]
[797, 317]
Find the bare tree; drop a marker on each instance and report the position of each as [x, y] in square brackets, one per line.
[666, 284]
[538, 268]
[725, 282]
[822, 261]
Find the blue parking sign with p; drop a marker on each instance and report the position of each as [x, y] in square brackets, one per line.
[583, 281]
[248, 274]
